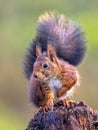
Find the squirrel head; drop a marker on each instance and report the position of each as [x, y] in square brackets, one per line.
[46, 65]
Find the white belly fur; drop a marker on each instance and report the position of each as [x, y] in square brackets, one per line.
[56, 85]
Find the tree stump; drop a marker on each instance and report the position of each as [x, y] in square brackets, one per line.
[75, 116]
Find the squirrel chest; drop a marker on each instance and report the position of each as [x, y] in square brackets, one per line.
[55, 85]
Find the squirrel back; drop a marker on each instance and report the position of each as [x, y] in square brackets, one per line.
[65, 35]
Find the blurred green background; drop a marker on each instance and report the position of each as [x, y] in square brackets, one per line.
[17, 28]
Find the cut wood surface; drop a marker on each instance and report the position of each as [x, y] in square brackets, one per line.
[75, 116]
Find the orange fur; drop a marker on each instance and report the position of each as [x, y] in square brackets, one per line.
[48, 67]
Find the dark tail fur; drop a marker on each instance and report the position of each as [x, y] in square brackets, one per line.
[67, 38]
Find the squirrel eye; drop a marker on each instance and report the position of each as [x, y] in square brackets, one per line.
[45, 65]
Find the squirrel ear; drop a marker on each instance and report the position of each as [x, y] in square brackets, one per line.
[51, 54]
[38, 50]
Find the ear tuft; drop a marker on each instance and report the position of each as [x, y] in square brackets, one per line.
[50, 52]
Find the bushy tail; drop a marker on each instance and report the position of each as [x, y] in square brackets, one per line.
[64, 34]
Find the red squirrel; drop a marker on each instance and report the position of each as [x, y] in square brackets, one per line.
[50, 61]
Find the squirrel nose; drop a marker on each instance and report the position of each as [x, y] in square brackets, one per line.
[35, 76]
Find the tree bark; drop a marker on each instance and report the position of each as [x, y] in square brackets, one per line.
[75, 116]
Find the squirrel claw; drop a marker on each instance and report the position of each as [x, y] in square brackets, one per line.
[68, 103]
[48, 106]
[45, 108]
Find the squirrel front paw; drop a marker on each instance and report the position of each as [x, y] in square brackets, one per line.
[68, 103]
[48, 105]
